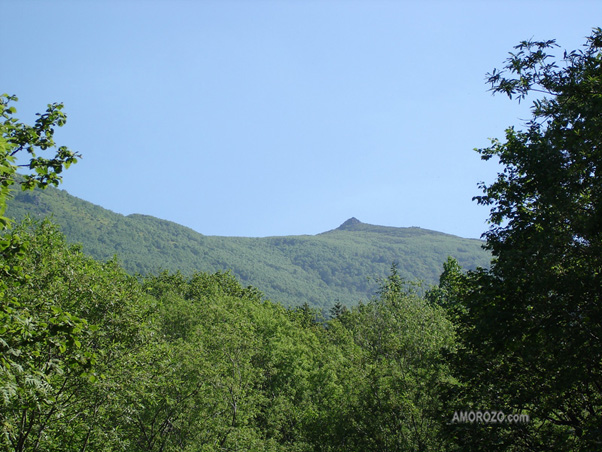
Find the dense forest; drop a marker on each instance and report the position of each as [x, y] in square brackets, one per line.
[507, 357]
[342, 265]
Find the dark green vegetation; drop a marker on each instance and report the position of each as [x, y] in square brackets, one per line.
[530, 327]
[95, 359]
[337, 266]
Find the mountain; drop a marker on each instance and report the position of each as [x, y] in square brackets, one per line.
[342, 265]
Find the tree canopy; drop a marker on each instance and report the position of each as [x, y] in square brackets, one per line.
[531, 326]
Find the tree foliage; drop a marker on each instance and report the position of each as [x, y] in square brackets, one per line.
[17, 138]
[68, 326]
[94, 359]
[532, 324]
[396, 390]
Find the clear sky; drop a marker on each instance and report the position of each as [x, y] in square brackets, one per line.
[260, 118]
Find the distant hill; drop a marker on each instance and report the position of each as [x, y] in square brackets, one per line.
[338, 265]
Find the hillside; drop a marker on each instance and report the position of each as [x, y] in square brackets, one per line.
[338, 265]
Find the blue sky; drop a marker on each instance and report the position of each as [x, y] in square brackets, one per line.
[260, 118]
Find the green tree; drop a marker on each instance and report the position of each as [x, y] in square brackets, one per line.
[227, 370]
[451, 290]
[391, 393]
[532, 324]
[338, 310]
[38, 340]
[17, 139]
[69, 329]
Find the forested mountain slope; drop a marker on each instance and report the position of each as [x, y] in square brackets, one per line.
[341, 265]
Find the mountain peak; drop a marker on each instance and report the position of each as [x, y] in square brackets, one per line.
[350, 223]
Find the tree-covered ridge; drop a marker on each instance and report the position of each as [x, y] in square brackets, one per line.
[338, 265]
